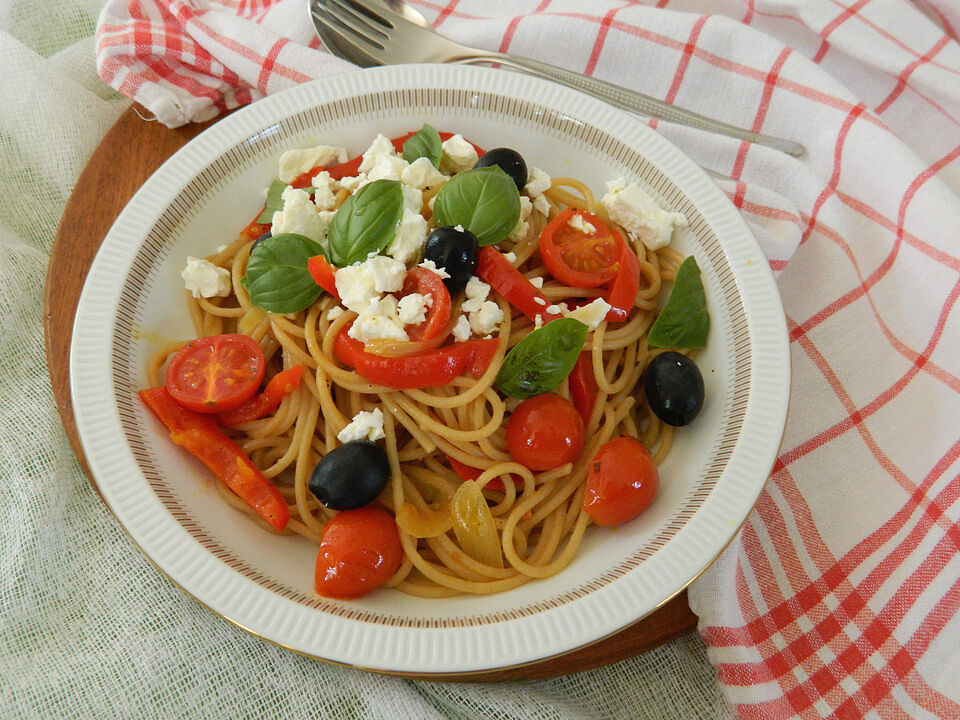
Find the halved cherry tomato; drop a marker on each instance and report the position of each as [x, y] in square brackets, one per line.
[201, 437]
[622, 294]
[545, 432]
[575, 258]
[429, 368]
[495, 270]
[621, 482]
[323, 274]
[468, 472]
[280, 385]
[359, 551]
[426, 282]
[216, 373]
[583, 386]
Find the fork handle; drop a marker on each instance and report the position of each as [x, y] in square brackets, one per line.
[631, 100]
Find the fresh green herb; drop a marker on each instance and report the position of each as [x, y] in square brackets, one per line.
[425, 143]
[485, 201]
[683, 322]
[277, 277]
[274, 202]
[366, 222]
[539, 363]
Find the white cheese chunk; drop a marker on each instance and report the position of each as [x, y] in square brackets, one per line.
[326, 189]
[541, 205]
[293, 163]
[536, 282]
[639, 214]
[511, 257]
[476, 292]
[301, 216]
[519, 231]
[380, 147]
[577, 222]
[458, 155]
[335, 312]
[204, 279]
[538, 182]
[387, 167]
[432, 267]
[539, 301]
[422, 174]
[461, 331]
[361, 283]
[591, 314]
[409, 238]
[353, 182]
[413, 198]
[412, 308]
[486, 319]
[556, 309]
[366, 425]
[380, 319]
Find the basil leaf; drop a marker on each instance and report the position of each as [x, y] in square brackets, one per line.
[274, 202]
[683, 322]
[484, 200]
[366, 222]
[425, 143]
[540, 362]
[277, 277]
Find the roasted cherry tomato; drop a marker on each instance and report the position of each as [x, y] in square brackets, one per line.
[622, 293]
[280, 385]
[426, 282]
[622, 481]
[578, 258]
[216, 373]
[359, 551]
[545, 432]
[583, 386]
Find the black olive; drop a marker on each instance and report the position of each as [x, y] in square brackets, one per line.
[674, 388]
[510, 161]
[455, 251]
[256, 242]
[351, 475]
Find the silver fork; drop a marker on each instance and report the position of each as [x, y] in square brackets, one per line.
[368, 33]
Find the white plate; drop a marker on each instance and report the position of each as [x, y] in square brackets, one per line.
[206, 193]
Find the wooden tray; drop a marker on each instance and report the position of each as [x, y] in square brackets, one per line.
[127, 156]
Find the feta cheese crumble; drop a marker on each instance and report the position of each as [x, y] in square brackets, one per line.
[294, 163]
[591, 314]
[541, 204]
[540, 301]
[361, 283]
[458, 155]
[476, 291]
[640, 215]
[538, 182]
[511, 257]
[432, 267]
[366, 425]
[326, 189]
[519, 232]
[410, 236]
[412, 308]
[380, 319]
[487, 318]
[335, 312]
[461, 331]
[422, 174]
[537, 282]
[578, 223]
[379, 148]
[301, 216]
[204, 279]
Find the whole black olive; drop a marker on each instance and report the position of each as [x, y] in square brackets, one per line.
[351, 475]
[256, 242]
[674, 388]
[455, 251]
[510, 161]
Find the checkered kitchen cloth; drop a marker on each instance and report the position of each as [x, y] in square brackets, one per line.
[840, 596]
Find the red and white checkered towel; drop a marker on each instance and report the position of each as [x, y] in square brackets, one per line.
[840, 596]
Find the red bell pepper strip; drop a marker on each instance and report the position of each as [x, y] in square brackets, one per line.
[255, 229]
[280, 385]
[583, 386]
[323, 274]
[468, 472]
[622, 294]
[200, 436]
[495, 270]
[430, 368]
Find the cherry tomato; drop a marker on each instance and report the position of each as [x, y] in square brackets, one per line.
[545, 432]
[217, 373]
[583, 386]
[426, 282]
[576, 258]
[359, 551]
[621, 482]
